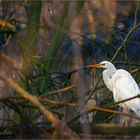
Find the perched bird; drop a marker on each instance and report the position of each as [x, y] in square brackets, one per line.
[122, 84]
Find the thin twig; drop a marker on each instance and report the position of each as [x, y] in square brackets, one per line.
[62, 90]
[7, 41]
[126, 63]
[103, 110]
[125, 40]
[89, 96]
[58, 103]
[122, 101]
[136, 13]
[135, 71]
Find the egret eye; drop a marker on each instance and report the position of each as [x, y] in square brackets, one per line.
[103, 64]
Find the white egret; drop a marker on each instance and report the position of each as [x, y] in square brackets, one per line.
[122, 84]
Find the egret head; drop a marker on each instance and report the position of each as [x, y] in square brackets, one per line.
[104, 64]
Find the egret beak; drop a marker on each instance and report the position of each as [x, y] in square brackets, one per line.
[94, 66]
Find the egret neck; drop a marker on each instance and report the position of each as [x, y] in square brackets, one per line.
[107, 74]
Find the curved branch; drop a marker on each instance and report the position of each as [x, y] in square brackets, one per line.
[62, 131]
[125, 40]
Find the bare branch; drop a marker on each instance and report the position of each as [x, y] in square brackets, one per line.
[122, 101]
[136, 13]
[57, 91]
[125, 40]
[31, 98]
[94, 108]
[58, 103]
[9, 62]
[135, 70]
[12, 64]
[62, 131]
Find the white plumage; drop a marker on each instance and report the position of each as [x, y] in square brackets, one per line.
[122, 84]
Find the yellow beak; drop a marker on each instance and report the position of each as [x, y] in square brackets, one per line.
[94, 66]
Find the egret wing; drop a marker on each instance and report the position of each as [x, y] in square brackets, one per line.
[124, 84]
[125, 87]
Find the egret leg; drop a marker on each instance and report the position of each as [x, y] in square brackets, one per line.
[126, 119]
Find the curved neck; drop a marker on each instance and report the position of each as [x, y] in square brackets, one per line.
[110, 71]
[107, 74]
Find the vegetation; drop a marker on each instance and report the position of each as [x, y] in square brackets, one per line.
[45, 84]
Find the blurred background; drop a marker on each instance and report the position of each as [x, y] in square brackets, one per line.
[50, 41]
